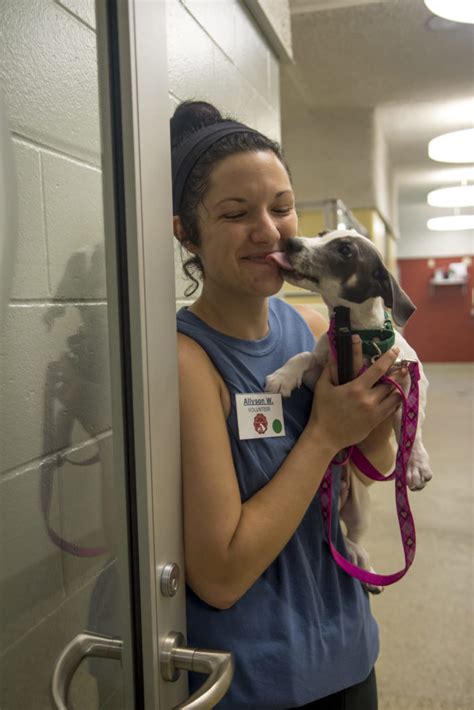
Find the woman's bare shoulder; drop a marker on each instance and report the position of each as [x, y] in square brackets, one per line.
[197, 371]
[317, 324]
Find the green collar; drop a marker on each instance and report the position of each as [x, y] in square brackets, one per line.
[377, 342]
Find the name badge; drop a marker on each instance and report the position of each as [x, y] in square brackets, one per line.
[259, 415]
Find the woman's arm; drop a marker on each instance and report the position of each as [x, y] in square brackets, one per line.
[229, 544]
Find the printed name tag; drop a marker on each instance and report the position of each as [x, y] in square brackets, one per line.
[259, 415]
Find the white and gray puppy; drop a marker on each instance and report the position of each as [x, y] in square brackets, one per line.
[347, 270]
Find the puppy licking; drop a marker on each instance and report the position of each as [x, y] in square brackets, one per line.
[347, 270]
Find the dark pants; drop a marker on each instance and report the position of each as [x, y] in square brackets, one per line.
[362, 696]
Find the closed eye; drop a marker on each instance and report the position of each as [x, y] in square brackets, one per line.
[285, 210]
[233, 216]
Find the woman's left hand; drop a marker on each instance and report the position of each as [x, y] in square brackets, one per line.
[380, 445]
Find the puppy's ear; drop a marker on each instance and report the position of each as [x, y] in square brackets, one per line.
[394, 296]
[325, 231]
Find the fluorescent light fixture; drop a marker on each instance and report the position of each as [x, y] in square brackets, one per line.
[456, 147]
[455, 10]
[460, 196]
[452, 223]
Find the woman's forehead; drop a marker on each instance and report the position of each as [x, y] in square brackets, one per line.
[249, 170]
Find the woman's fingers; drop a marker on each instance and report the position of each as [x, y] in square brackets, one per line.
[400, 376]
[378, 369]
[389, 405]
[357, 355]
[333, 369]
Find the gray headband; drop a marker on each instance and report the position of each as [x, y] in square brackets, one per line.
[186, 155]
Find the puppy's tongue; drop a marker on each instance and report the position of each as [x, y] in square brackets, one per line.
[280, 258]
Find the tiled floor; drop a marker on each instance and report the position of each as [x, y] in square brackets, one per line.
[426, 620]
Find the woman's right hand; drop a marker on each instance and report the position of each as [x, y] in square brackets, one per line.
[345, 414]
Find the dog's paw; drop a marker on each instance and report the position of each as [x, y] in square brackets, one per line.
[282, 381]
[358, 556]
[372, 588]
[418, 475]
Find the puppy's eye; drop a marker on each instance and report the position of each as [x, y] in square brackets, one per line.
[345, 250]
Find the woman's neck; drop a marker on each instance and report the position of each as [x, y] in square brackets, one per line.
[244, 318]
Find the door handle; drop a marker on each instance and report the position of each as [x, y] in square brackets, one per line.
[82, 645]
[218, 665]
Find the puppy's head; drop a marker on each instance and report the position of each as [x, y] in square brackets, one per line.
[345, 267]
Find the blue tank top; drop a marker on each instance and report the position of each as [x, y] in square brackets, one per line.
[304, 629]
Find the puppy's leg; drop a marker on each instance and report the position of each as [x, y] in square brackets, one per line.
[304, 367]
[287, 378]
[356, 516]
[419, 469]
[311, 376]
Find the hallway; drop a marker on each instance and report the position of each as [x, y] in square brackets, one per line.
[426, 657]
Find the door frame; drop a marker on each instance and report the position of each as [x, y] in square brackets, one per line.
[133, 88]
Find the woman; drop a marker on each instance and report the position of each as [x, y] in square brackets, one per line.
[261, 580]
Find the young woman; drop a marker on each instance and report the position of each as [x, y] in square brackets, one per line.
[261, 579]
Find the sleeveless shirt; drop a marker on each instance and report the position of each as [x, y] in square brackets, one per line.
[304, 630]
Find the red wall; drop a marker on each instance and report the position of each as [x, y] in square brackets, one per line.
[442, 328]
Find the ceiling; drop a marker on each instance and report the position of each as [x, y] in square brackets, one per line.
[382, 53]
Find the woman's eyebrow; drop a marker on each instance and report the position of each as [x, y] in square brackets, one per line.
[242, 199]
[230, 199]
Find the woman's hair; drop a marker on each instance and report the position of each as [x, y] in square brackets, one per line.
[189, 117]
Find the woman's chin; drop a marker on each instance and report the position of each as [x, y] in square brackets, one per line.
[268, 286]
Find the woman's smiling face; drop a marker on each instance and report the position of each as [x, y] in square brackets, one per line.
[247, 212]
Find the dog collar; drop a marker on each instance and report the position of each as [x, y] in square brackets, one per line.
[376, 342]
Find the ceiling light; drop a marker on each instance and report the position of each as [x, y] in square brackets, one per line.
[456, 147]
[455, 10]
[461, 196]
[452, 223]
[439, 24]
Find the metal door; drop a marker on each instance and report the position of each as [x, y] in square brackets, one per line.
[98, 471]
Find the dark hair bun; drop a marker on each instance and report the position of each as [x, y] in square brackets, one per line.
[189, 117]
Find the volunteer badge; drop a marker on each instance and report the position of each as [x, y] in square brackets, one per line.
[259, 415]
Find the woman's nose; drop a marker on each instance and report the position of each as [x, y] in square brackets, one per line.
[265, 229]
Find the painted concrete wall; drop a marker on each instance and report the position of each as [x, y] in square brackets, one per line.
[231, 65]
[330, 153]
[441, 328]
[418, 241]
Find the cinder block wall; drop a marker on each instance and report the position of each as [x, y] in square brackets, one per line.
[48, 72]
[216, 53]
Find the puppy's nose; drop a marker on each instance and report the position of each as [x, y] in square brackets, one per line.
[293, 245]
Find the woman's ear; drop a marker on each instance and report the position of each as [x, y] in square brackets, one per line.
[180, 234]
[178, 229]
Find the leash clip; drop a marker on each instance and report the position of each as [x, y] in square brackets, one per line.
[378, 354]
[398, 364]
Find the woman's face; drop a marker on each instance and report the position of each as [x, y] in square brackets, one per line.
[247, 212]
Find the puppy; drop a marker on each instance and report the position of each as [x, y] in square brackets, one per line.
[347, 270]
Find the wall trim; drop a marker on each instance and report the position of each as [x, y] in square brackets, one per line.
[282, 48]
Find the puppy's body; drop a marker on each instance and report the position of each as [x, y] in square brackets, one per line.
[347, 270]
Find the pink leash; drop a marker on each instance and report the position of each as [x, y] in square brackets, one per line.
[405, 517]
[57, 432]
